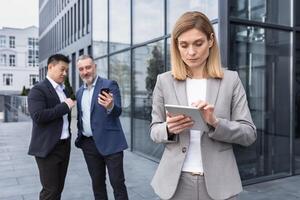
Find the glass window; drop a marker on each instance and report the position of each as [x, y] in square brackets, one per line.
[71, 28]
[168, 67]
[2, 41]
[88, 16]
[102, 69]
[79, 18]
[297, 104]
[33, 79]
[82, 17]
[175, 8]
[119, 67]
[216, 29]
[33, 52]
[119, 25]
[297, 13]
[148, 62]
[99, 28]
[2, 59]
[7, 79]
[12, 42]
[263, 59]
[12, 60]
[275, 11]
[75, 22]
[148, 20]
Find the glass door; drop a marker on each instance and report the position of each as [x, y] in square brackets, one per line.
[262, 58]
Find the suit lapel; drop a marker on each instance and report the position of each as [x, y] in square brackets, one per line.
[96, 92]
[212, 90]
[52, 90]
[180, 91]
[79, 97]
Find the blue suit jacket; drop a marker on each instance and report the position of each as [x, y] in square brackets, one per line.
[106, 127]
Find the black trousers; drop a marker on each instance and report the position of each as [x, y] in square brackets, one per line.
[53, 170]
[97, 164]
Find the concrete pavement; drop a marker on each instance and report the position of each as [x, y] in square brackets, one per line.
[19, 175]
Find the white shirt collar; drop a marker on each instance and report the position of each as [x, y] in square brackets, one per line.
[54, 84]
[93, 85]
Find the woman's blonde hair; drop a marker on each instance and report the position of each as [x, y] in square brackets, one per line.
[187, 21]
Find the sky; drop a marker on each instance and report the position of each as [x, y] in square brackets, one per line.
[18, 13]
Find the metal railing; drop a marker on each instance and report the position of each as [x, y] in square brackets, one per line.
[14, 108]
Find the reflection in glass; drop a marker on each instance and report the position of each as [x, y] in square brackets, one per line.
[175, 8]
[262, 58]
[148, 20]
[100, 33]
[297, 104]
[297, 13]
[148, 62]
[120, 72]
[119, 24]
[102, 70]
[216, 29]
[168, 67]
[275, 11]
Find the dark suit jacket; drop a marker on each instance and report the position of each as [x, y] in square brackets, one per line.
[106, 127]
[47, 113]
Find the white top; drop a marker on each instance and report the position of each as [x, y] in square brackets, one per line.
[196, 90]
[62, 97]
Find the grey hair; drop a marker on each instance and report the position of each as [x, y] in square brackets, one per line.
[83, 57]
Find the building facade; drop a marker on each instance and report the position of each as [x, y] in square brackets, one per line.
[65, 28]
[19, 59]
[130, 41]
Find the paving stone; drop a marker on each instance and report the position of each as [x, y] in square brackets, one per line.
[19, 179]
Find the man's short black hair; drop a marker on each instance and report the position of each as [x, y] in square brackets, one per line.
[58, 57]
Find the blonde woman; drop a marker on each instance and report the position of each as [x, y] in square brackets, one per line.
[199, 165]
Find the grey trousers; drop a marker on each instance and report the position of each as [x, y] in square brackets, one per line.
[192, 188]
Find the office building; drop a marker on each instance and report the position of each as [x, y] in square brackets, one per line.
[19, 59]
[130, 41]
[65, 28]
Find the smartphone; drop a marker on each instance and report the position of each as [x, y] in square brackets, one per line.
[104, 90]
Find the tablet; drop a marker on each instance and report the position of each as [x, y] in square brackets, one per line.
[194, 113]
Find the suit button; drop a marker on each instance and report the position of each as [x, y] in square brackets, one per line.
[183, 150]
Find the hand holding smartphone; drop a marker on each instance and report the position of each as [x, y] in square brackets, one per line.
[105, 98]
[104, 90]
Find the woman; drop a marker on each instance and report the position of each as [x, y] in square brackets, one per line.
[199, 165]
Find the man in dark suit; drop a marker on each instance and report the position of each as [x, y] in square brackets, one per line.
[50, 106]
[100, 135]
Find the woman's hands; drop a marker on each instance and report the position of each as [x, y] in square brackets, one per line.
[207, 111]
[177, 124]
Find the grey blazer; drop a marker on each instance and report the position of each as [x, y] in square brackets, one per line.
[235, 126]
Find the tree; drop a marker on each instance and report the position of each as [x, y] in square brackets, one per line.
[155, 67]
[25, 91]
[121, 74]
[69, 88]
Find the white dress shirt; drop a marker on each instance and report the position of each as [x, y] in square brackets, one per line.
[86, 102]
[196, 90]
[62, 97]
